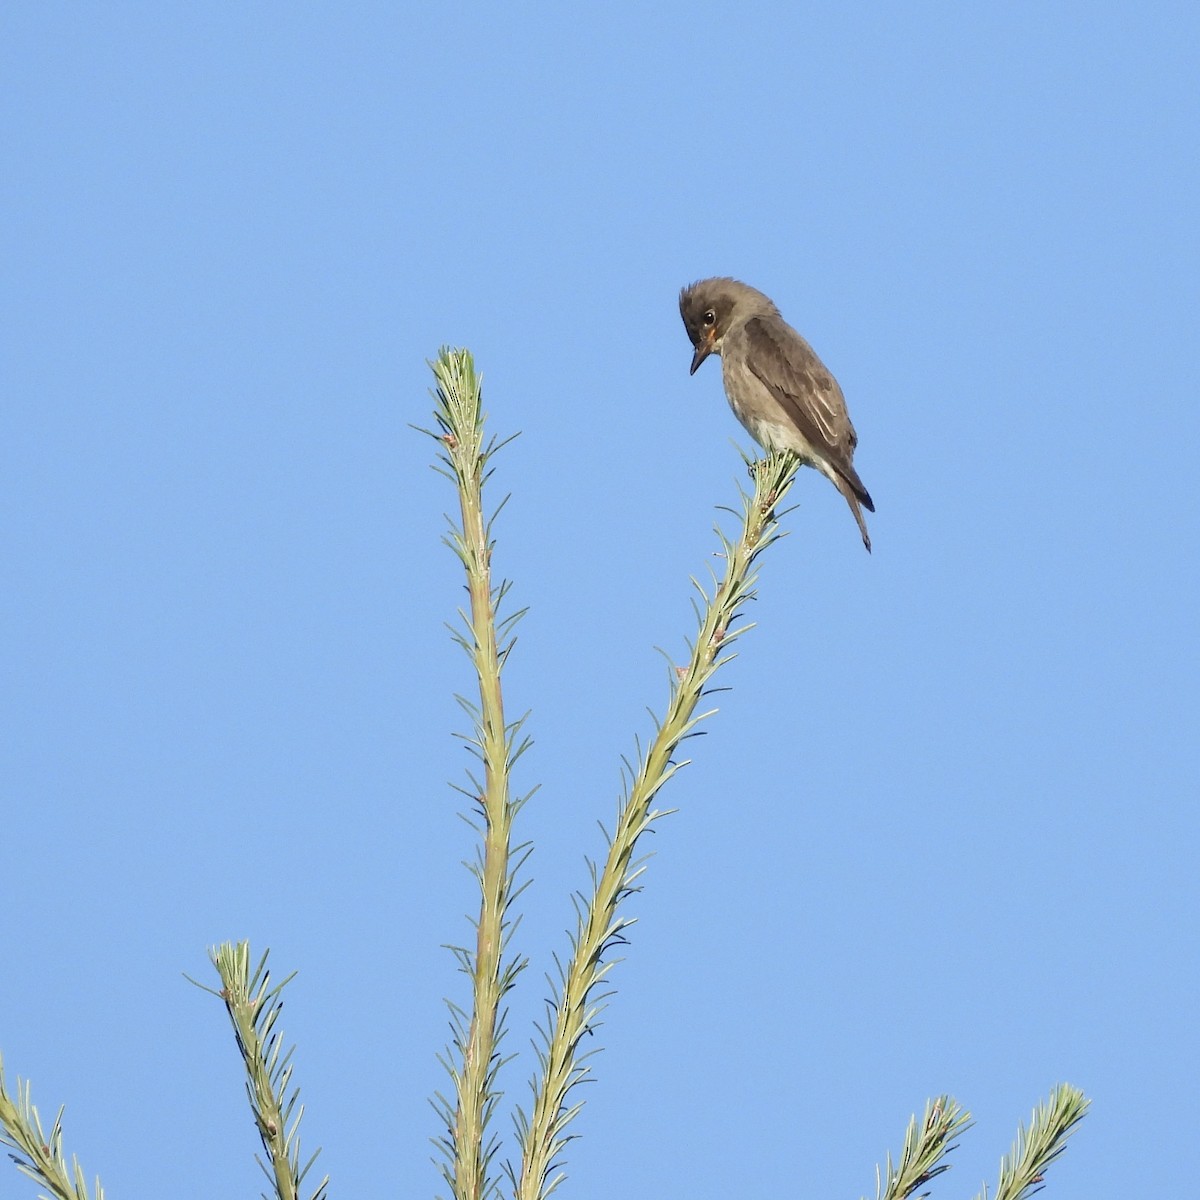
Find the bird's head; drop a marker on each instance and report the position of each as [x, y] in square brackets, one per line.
[711, 307]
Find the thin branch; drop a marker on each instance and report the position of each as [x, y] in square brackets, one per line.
[37, 1155]
[468, 1148]
[925, 1145]
[1023, 1169]
[601, 925]
[254, 1007]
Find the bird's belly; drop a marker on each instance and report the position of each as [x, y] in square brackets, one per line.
[773, 434]
[761, 413]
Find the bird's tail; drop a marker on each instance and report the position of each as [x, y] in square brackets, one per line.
[853, 495]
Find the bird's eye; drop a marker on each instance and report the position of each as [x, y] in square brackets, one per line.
[710, 317]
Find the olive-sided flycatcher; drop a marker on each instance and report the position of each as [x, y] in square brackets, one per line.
[776, 385]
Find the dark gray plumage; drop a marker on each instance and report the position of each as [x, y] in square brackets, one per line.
[776, 385]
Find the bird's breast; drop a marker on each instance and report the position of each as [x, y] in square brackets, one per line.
[762, 415]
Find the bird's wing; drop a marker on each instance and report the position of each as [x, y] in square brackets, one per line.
[796, 377]
[791, 371]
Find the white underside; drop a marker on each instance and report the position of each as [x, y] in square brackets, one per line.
[774, 436]
[755, 416]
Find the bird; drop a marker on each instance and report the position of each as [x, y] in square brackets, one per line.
[776, 385]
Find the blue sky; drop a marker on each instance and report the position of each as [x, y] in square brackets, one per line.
[942, 835]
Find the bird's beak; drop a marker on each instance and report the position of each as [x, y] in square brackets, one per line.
[703, 350]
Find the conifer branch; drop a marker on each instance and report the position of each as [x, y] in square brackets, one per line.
[254, 1008]
[924, 1147]
[1023, 1169]
[601, 924]
[37, 1155]
[473, 1064]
